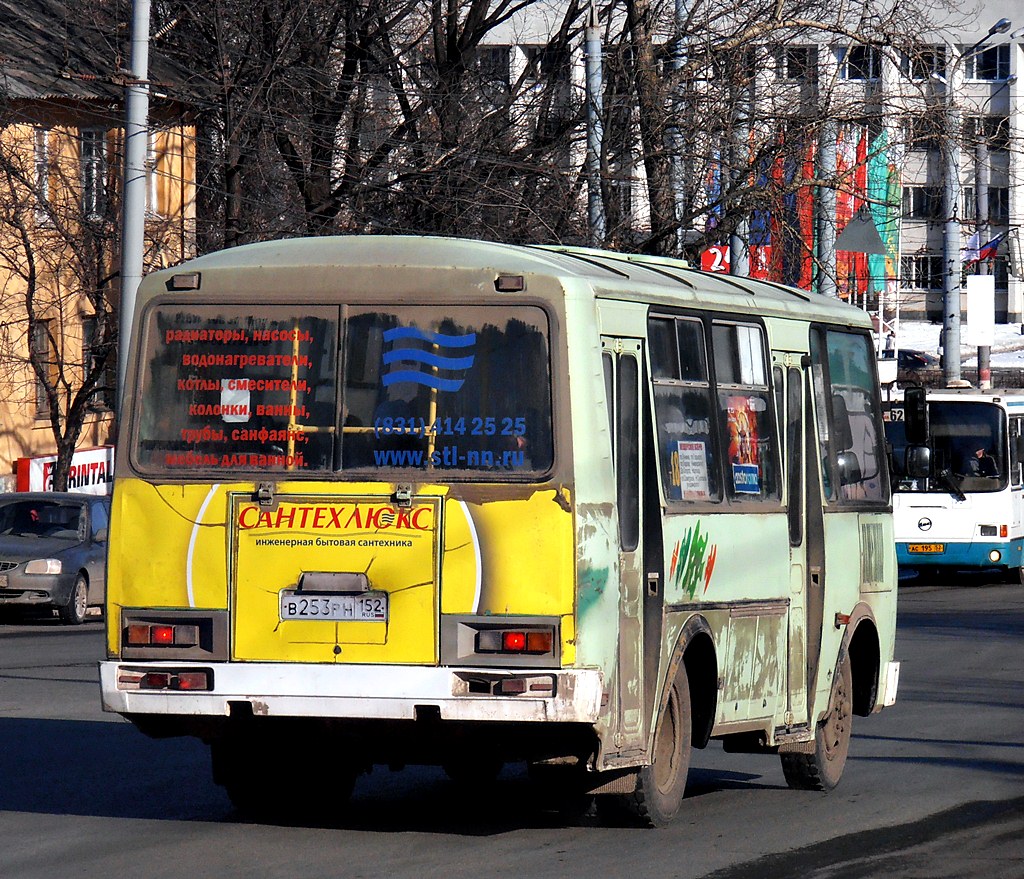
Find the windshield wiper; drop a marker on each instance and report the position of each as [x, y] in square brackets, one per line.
[950, 481]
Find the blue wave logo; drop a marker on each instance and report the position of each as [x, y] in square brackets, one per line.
[400, 355]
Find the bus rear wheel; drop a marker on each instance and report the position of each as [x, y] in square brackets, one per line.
[822, 769]
[661, 785]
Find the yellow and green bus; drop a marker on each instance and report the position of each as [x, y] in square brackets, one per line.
[412, 500]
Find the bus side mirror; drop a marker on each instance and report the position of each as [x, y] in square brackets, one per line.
[915, 416]
[841, 429]
[849, 468]
[918, 462]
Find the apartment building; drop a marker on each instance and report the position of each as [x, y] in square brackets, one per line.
[61, 140]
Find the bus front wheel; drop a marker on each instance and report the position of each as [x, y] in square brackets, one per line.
[822, 769]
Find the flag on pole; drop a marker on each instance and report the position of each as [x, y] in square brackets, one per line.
[989, 248]
[970, 253]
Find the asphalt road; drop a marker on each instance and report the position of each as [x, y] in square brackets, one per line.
[933, 787]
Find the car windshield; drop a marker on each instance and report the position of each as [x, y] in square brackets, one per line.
[38, 518]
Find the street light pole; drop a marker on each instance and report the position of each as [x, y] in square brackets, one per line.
[951, 206]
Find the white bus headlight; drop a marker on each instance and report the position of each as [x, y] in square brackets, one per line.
[995, 555]
[43, 566]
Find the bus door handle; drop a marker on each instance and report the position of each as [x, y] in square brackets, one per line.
[653, 581]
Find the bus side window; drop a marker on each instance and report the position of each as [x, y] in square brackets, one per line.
[853, 463]
[744, 404]
[682, 406]
[1015, 458]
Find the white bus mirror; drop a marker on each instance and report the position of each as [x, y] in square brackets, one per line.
[918, 462]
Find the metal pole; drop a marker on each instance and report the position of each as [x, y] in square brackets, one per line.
[951, 205]
[133, 217]
[739, 255]
[595, 128]
[675, 135]
[981, 182]
[951, 226]
[827, 210]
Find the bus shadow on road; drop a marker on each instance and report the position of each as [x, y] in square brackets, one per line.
[110, 770]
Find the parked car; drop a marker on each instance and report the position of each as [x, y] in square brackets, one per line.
[908, 358]
[53, 552]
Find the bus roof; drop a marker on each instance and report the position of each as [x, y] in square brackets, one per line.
[637, 277]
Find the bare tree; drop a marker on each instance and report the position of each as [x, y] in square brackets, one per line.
[59, 246]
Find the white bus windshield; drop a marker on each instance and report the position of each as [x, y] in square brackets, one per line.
[967, 442]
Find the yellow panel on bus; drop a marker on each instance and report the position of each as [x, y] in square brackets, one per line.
[335, 578]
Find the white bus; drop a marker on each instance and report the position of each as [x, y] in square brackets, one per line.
[965, 514]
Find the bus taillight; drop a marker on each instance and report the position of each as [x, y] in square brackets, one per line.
[523, 641]
[141, 635]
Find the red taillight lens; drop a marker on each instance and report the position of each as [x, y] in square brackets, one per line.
[513, 642]
[162, 634]
[191, 680]
[155, 680]
[1004, 531]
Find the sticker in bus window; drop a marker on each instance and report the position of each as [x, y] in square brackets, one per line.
[741, 413]
[690, 470]
[235, 400]
[746, 478]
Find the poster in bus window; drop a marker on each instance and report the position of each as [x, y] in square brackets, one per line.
[741, 418]
[690, 470]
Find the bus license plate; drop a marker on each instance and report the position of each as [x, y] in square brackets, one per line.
[361, 607]
[926, 547]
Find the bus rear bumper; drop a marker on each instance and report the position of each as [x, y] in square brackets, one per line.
[352, 691]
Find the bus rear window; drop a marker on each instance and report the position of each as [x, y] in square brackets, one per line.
[223, 388]
[414, 388]
[449, 390]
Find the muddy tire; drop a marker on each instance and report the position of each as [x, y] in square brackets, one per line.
[72, 612]
[660, 786]
[822, 769]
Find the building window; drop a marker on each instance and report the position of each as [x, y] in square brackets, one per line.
[988, 64]
[44, 355]
[94, 167]
[921, 272]
[923, 131]
[860, 63]
[495, 65]
[921, 62]
[796, 63]
[41, 150]
[922, 203]
[992, 131]
[998, 204]
[154, 153]
[546, 63]
[94, 348]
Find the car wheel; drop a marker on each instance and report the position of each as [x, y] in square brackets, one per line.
[72, 613]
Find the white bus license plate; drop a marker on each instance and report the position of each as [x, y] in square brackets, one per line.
[361, 607]
[926, 547]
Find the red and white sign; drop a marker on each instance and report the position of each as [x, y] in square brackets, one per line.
[715, 258]
[92, 471]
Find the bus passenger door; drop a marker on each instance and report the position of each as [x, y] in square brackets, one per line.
[623, 371]
[806, 527]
